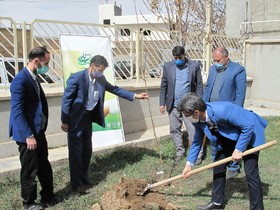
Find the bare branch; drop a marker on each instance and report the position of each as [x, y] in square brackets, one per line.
[184, 16]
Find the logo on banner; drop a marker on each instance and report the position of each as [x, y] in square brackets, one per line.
[84, 59]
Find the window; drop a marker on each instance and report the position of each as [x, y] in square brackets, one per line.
[10, 67]
[125, 32]
[145, 32]
[7, 72]
[107, 22]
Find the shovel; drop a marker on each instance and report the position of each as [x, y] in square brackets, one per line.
[203, 168]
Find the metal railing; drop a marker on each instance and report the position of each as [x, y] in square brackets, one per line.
[137, 53]
[8, 48]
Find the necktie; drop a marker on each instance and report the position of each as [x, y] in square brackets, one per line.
[37, 87]
[38, 93]
[93, 96]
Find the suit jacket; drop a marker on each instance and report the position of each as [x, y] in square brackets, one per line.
[167, 86]
[233, 122]
[26, 107]
[75, 98]
[233, 87]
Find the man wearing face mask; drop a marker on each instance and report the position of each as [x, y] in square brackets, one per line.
[82, 104]
[226, 82]
[28, 123]
[179, 77]
[235, 130]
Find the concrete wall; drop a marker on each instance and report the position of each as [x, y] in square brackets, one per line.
[252, 11]
[265, 10]
[55, 136]
[261, 58]
[135, 115]
[261, 49]
[236, 13]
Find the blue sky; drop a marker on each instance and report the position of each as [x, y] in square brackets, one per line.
[67, 10]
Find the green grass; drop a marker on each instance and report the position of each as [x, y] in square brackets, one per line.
[143, 163]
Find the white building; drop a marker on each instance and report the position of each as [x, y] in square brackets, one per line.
[127, 26]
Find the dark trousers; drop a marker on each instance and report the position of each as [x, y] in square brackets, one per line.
[80, 151]
[251, 170]
[35, 163]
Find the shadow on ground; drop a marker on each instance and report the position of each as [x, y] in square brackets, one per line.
[103, 165]
[236, 185]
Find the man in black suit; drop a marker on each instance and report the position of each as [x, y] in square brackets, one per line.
[180, 77]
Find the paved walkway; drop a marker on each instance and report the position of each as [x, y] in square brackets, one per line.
[11, 164]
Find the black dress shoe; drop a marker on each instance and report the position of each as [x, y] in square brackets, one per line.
[83, 190]
[51, 202]
[33, 206]
[210, 205]
[87, 182]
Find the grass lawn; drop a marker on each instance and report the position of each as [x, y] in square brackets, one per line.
[144, 163]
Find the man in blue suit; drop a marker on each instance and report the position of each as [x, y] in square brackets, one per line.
[235, 130]
[179, 77]
[82, 104]
[226, 82]
[28, 123]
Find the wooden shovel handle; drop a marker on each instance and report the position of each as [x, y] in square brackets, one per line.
[212, 165]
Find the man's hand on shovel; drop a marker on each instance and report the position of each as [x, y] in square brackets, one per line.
[186, 171]
[236, 156]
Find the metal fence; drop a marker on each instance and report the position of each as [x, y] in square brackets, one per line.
[137, 53]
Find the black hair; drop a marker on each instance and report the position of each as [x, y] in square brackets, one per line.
[38, 52]
[99, 60]
[178, 50]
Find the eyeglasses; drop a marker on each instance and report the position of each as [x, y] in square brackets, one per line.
[178, 57]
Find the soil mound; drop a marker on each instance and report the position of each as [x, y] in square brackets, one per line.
[125, 195]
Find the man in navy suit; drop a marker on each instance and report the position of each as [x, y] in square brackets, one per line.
[28, 123]
[180, 76]
[235, 130]
[82, 104]
[226, 82]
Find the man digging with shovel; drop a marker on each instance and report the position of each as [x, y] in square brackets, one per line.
[236, 130]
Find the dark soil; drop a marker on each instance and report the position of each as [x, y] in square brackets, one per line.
[125, 195]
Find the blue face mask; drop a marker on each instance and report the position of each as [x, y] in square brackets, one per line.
[97, 74]
[42, 70]
[219, 66]
[179, 62]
